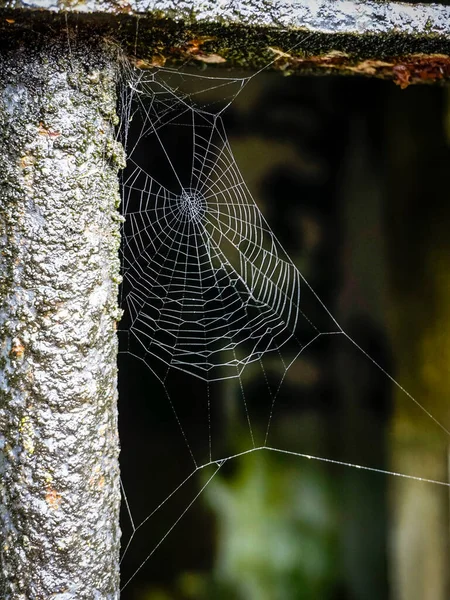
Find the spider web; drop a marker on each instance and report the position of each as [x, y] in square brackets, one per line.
[208, 290]
[211, 289]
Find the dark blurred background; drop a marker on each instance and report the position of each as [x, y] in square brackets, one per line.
[352, 176]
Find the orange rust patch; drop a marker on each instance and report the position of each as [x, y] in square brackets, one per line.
[190, 49]
[422, 68]
[335, 58]
[193, 48]
[26, 161]
[156, 61]
[42, 130]
[195, 44]
[402, 76]
[53, 498]
[17, 349]
[370, 67]
[97, 479]
[403, 70]
[122, 6]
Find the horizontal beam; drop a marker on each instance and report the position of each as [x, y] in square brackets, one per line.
[354, 17]
[406, 43]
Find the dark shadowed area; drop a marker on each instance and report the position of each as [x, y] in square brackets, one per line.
[352, 177]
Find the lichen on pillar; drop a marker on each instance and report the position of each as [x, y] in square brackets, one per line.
[59, 277]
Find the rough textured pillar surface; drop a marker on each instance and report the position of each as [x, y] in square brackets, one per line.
[59, 273]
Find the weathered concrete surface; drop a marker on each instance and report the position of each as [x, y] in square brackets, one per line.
[59, 273]
[319, 15]
[406, 43]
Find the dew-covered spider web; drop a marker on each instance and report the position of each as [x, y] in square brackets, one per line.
[224, 319]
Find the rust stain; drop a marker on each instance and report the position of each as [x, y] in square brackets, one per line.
[284, 60]
[422, 68]
[53, 498]
[403, 70]
[195, 44]
[194, 49]
[122, 7]
[26, 161]
[402, 76]
[17, 349]
[158, 60]
[97, 479]
[42, 130]
[370, 67]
